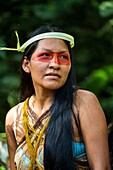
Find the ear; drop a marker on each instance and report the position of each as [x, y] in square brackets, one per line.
[25, 65]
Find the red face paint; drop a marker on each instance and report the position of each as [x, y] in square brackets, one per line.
[61, 58]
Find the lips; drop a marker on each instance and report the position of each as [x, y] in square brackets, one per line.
[53, 75]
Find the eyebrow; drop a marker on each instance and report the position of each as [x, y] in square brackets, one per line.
[48, 50]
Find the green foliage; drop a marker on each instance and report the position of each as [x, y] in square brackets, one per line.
[106, 8]
[2, 168]
[3, 135]
[99, 79]
[90, 22]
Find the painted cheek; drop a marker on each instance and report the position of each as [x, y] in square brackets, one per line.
[61, 61]
[65, 61]
[41, 58]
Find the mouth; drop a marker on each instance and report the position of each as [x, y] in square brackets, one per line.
[53, 75]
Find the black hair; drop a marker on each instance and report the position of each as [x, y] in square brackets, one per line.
[58, 136]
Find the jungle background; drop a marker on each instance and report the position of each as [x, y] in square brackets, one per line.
[89, 21]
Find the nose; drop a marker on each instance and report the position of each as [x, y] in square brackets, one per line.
[55, 62]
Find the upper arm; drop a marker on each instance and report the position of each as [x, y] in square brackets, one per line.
[94, 131]
[10, 138]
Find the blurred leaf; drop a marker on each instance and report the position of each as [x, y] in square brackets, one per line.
[98, 79]
[106, 29]
[2, 168]
[48, 9]
[3, 135]
[106, 8]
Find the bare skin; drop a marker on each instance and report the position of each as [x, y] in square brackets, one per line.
[47, 77]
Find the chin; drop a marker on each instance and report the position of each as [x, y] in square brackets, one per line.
[52, 87]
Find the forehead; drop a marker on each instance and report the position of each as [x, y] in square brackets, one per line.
[53, 44]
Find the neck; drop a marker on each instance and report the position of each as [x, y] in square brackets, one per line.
[42, 100]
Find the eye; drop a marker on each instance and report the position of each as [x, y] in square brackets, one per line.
[44, 54]
[64, 56]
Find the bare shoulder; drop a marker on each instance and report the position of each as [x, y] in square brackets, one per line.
[10, 114]
[86, 94]
[85, 97]
[88, 104]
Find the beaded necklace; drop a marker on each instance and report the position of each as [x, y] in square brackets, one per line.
[32, 149]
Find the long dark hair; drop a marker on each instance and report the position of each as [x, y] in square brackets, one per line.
[58, 136]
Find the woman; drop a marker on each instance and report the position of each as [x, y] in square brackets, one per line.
[56, 126]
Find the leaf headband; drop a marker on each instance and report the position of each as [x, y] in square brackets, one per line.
[59, 35]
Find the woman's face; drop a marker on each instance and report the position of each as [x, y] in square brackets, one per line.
[50, 64]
